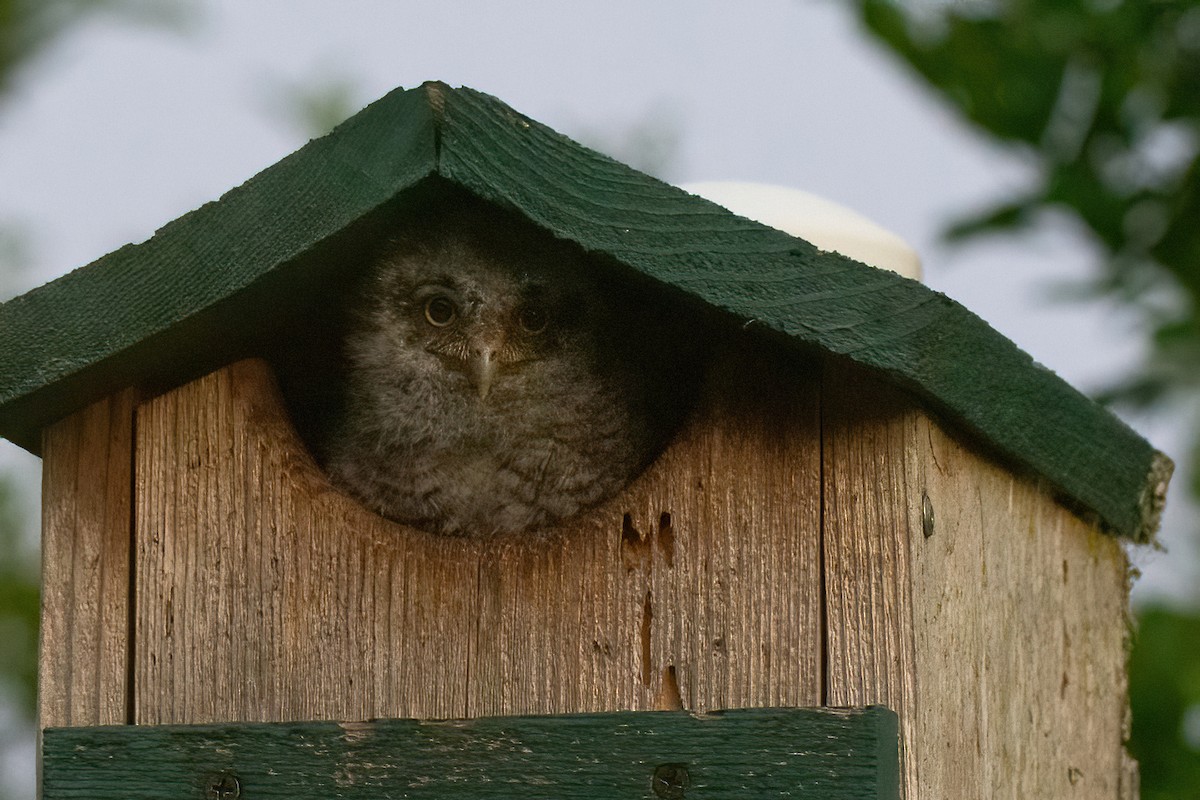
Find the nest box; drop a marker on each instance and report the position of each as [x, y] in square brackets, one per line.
[881, 501]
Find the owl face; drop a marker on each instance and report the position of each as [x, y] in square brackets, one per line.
[481, 327]
[477, 318]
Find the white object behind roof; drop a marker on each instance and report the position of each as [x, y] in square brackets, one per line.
[823, 222]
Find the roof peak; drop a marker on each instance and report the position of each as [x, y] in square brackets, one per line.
[152, 312]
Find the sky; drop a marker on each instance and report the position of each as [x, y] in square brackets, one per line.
[119, 128]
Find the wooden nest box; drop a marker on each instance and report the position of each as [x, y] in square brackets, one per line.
[878, 500]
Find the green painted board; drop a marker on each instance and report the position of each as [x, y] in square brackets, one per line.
[759, 753]
[146, 311]
[175, 306]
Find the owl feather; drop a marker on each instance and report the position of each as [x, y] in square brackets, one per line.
[496, 379]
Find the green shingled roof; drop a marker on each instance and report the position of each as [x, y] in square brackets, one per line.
[144, 312]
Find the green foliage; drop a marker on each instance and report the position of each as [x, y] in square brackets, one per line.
[19, 607]
[27, 26]
[1104, 97]
[1164, 689]
[317, 104]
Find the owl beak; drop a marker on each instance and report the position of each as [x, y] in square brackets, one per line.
[482, 367]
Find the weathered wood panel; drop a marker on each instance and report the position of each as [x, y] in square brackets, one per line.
[264, 594]
[1005, 660]
[83, 673]
[995, 626]
[826, 753]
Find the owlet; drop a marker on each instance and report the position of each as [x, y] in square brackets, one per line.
[497, 379]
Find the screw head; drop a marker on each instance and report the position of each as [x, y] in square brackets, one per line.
[223, 786]
[926, 515]
[670, 781]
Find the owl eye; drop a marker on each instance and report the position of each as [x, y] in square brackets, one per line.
[440, 311]
[532, 319]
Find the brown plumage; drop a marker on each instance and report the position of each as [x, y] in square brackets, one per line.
[496, 379]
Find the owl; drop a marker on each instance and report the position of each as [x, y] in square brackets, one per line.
[495, 379]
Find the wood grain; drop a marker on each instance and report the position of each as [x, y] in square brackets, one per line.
[846, 754]
[1000, 638]
[265, 594]
[86, 527]
[995, 628]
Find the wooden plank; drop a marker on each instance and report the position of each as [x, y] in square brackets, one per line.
[86, 528]
[150, 310]
[867, 522]
[264, 594]
[1005, 661]
[827, 753]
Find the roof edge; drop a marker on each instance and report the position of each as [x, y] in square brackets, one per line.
[918, 337]
[1153, 500]
[146, 309]
[66, 332]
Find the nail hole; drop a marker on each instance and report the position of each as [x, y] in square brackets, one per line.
[629, 533]
[647, 618]
[635, 549]
[669, 698]
[666, 538]
[926, 515]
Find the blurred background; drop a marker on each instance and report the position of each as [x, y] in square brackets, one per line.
[1041, 157]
